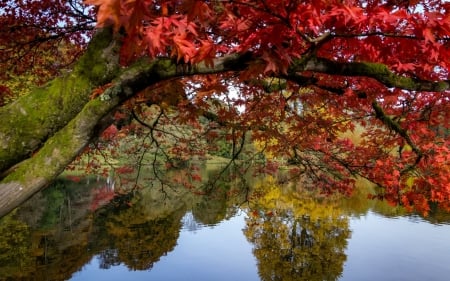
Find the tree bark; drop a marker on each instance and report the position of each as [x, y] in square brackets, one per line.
[29, 121]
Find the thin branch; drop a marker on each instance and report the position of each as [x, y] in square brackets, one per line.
[396, 127]
[382, 34]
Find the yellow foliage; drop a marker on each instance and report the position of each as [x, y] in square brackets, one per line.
[291, 229]
[273, 196]
[265, 146]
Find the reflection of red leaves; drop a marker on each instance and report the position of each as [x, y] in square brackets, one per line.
[102, 196]
[271, 167]
[73, 178]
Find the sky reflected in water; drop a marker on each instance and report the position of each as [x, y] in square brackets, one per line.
[397, 249]
[219, 252]
[380, 248]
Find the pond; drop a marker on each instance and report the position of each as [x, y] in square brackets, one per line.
[253, 229]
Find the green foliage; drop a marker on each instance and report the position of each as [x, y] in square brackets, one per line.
[55, 198]
[223, 148]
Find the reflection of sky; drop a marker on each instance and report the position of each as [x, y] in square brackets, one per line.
[380, 248]
[397, 249]
[189, 222]
[211, 253]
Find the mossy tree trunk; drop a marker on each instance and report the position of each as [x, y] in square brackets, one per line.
[31, 120]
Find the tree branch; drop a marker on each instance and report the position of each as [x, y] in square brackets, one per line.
[395, 126]
[377, 71]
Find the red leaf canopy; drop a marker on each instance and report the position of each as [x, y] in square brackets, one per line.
[341, 88]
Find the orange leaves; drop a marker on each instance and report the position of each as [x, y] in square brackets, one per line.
[184, 49]
[108, 12]
[405, 67]
[349, 14]
[206, 53]
[428, 35]
[198, 10]
[173, 36]
[155, 40]
[235, 24]
[155, 30]
[179, 34]
[280, 31]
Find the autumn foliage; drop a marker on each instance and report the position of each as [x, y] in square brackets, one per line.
[337, 89]
[41, 37]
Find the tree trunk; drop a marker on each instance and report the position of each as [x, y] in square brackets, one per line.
[29, 121]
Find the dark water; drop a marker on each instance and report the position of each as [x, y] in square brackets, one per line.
[234, 231]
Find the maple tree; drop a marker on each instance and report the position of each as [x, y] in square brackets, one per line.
[301, 76]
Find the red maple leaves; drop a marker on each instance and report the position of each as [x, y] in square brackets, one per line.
[280, 31]
[402, 146]
[38, 37]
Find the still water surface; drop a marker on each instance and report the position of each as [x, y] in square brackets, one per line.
[76, 231]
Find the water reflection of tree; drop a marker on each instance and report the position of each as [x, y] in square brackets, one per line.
[359, 205]
[296, 238]
[138, 245]
[46, 238]
[53, 235]
[15, 244]
[225, 189]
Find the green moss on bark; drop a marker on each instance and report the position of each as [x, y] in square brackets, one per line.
[100, 62]
[57, 152]
[29, 121]
[382, 73]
